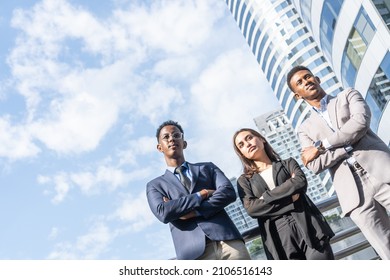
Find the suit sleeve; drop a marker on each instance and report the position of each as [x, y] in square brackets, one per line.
[173, 209]
[257, 207]
[357, 124]
[224, 193]
[293, 185]
[324, 161]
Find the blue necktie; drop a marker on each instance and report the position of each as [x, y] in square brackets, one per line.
[183, 178]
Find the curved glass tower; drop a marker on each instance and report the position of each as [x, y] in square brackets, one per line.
[279, 40]
[355, 38]
[345, 43]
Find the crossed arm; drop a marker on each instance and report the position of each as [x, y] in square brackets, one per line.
[273, 202]
[205, 203]
[203, 194]
[350, 132]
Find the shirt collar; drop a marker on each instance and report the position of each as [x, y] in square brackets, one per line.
[323, 105]
[172, 169]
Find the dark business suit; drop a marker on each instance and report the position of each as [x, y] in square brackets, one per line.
[363, 194]
[189, 236]
[271, 207]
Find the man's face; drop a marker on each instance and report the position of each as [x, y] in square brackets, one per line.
[306, 86]
[171, 142]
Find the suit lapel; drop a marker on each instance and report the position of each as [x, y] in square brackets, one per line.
[318, 128]
[260, 185]
[173, 180]
[276, 168]
[332, 112]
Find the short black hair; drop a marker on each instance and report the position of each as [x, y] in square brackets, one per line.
[166, 123]
[293, 71]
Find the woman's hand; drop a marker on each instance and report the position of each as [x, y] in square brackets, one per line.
[295, 197]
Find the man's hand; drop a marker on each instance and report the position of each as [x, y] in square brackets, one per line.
[206, 193]
[308, 154]
[187, 216]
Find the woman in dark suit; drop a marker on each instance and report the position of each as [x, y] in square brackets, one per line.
[273, 191]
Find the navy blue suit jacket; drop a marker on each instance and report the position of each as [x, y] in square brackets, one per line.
[189, 236]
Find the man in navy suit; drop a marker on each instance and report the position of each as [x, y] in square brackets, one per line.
[191, 198]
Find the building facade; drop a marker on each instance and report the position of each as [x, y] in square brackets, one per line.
[355, 39]
[279, 40]
[346, 43]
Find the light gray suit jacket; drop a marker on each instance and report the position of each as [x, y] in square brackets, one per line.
[350, 117]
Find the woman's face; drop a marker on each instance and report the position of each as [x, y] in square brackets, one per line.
[250, 146]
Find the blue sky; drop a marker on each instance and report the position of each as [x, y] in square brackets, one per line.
[83, 87]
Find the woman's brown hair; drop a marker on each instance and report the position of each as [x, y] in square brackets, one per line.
[249, 165]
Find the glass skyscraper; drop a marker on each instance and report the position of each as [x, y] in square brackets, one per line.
[345, 43]
[279, 39]
[355, 38]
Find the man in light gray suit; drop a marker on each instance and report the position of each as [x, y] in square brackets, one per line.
[337, 136]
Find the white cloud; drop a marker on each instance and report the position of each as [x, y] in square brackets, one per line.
[71, 105]
[95, 241]
[135, 211]
[174, 26]
[145, 145]
[43, 179]
[78, 125]
[50, 22]
[83, 77]
[61, 187]
[88, 246]
[15, 141]
[161, 241]
[134, 216]
[159, 100]
[177, 67]
[54, 233]
[228, 91]
[226, 98]
[85, 180]
[104, 179]
[113, 177]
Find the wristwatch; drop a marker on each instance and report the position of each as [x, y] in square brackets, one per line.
[318, 145]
